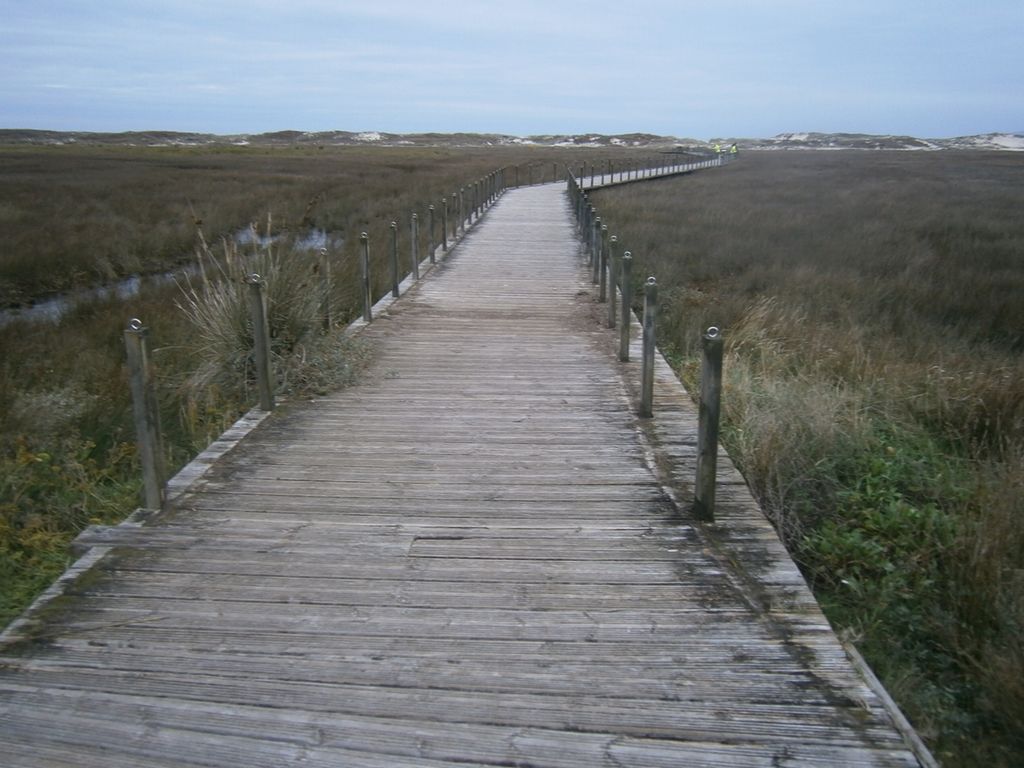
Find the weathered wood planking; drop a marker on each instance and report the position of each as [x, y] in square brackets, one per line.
[478, 556]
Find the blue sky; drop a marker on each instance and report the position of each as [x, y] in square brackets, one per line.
[929, 69]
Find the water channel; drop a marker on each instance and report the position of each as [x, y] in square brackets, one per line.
[53, 308]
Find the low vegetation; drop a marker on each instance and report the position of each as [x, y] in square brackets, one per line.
[85, 215]
[874, 398]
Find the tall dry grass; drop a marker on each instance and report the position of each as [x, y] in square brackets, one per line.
[81, 215]
[216, 302]
[874, 398]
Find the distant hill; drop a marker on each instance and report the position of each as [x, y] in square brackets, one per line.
[336, 138]
[783, 141]
[997, 141]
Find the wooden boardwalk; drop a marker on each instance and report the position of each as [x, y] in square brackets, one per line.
[478, 557]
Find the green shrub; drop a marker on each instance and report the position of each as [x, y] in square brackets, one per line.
[46, 498]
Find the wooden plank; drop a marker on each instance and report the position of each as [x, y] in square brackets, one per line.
[476, 556]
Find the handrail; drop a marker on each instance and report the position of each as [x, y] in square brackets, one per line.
[596, 240]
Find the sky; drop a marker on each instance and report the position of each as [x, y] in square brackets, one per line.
[522, 67]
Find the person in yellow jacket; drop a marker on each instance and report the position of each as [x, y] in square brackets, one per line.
[733, 149]
[718, 149]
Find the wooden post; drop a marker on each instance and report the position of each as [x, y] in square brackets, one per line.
[456, 212]
[325, 283]
[364, 261]
[554, 171]
[595, 261]
[395, 279]
[626, 286]
[147, 415]
[647, 374]
[261, 341]
[612, 242]
[444, 224]
[707, 435]
[602, 293]
[431, 244]
[415, 246]
[593, 222]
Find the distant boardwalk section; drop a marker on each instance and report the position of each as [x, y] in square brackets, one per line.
[478, 556]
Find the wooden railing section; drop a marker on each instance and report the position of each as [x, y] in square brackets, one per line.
[611, 274]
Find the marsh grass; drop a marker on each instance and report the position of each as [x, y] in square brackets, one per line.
[874, 398]
[78, 215]
[217, 305]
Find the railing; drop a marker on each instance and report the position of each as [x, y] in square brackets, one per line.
[459, 212]
[608, 172]
[605, 172]
[610, 273]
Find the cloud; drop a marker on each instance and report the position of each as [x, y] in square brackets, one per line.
[727, 68]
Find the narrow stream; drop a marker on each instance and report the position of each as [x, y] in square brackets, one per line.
[52, 309]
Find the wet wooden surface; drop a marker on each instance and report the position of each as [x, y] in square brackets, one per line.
[477, 556]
